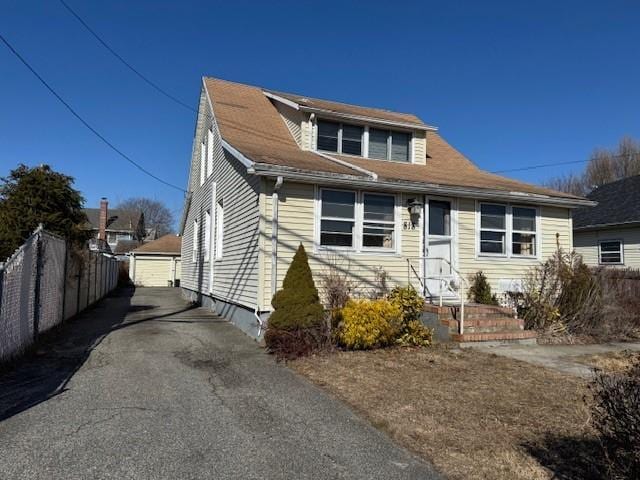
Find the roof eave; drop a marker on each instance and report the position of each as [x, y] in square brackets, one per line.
[268, 170]
[598, 226]
[347, 116]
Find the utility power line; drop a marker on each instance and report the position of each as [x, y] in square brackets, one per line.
[83, 121]
[544, 165]
[572, 162]
[152, 84]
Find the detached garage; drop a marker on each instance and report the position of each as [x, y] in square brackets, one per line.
[157, 263]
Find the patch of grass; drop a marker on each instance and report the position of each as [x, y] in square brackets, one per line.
[610, 361]
[474, 415]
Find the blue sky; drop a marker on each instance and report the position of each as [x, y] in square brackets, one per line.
[510, 84]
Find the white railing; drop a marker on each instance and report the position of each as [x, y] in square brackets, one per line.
[445, 280]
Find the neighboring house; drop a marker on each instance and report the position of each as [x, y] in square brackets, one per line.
[609, 234]
[156, 263]
[363, 189]
[112, 226]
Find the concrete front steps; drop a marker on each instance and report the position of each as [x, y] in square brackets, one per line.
[483, 324]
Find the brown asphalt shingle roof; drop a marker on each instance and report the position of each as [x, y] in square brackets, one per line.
[250, 123]
[169, 244]
[127, 220]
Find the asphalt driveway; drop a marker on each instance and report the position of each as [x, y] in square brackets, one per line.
[146, 386]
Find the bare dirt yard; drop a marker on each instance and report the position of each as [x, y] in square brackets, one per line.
[473, 414]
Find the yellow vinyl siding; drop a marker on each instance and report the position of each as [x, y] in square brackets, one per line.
[419, 147]
[553, 221]
[297, 224]
[586, 244]
[293, 119]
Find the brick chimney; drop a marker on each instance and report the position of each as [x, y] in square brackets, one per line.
[104, 215]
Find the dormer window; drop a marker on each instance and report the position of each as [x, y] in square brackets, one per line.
[343, 138]
[340, 138]
[389, 145]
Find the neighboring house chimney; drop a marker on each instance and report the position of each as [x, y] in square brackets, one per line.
[104, 215]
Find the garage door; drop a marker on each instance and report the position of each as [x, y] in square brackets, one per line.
[153, 272]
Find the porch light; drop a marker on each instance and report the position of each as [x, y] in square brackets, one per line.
[415, 208]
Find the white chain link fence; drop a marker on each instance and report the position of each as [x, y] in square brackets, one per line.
[44, 283]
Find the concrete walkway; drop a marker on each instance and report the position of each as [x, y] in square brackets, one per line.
[559, 357]
[145, 386]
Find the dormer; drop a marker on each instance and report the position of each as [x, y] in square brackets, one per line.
[342, 130]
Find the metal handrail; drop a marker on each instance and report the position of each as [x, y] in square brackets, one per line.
[423, 283]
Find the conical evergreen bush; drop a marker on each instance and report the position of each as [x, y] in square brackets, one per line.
[296, 327]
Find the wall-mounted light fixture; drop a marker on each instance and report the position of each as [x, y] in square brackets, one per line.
[415, 209]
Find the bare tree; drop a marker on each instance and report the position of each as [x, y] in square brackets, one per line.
[156, 214]
[605, 166]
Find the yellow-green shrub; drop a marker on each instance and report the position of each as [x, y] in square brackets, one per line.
[409, 301]
[415, 333]
[369, 324]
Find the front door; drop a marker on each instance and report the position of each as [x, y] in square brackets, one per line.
[438, 244]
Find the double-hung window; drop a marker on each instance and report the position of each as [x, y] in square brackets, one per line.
[493, 229]
[337, 218]
[523, 231]
[389, 145]
[357, 220]
[196, 241]
[378, 223]
[610, 252]
[507, 230]
[340, 138]
[207, 235]
[219, 229]
[203, 162]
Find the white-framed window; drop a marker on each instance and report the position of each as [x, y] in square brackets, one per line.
[506, 230]
[611, 252]
[203, 162]
[219, 229]
[207, 235]
[337, 218]
[196, 241]
[378, 221]
[389, 145]
[523, 231]
[493, 229]
[339, 137]
[356, 220]
[209, 152]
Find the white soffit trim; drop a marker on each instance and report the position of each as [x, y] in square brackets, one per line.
[280, 99]
[348, 165]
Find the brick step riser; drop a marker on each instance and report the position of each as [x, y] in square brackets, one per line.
[514, 328]
[501, 336]
[501, 323]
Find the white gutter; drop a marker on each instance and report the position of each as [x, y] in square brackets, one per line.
[344, 163]
[416, 187]
[274, 235]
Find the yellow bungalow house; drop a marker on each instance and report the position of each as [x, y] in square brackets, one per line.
[363, 189]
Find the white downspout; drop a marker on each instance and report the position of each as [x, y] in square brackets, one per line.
[274, 236]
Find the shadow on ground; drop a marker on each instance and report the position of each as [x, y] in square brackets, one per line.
[47, 368]
[570, 458]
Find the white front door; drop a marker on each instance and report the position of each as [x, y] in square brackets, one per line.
[438, 244]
